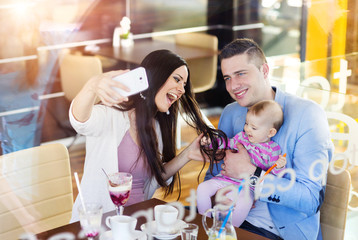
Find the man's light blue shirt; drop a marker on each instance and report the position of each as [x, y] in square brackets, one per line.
[305, 137]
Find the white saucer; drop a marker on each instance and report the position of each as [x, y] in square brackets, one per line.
[154, 231]
[138, 235]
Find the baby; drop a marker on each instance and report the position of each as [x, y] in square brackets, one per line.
[263, 120]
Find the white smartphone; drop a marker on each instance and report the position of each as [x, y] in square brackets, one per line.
[136, 80]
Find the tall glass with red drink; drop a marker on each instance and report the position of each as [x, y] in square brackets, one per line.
[119, 188]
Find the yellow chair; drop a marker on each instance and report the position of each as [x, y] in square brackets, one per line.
[75, 71]
[335, 205]
[348, 135]
[35, 190]
[346, 140]
[202, 70]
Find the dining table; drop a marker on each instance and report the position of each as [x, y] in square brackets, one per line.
[142, 47]
[75, 227]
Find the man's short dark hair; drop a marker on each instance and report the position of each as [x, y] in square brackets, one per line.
[244, 46]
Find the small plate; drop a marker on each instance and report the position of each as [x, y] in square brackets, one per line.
[138, 235]
[164, 236]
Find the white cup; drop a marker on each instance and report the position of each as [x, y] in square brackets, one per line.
[123, 227]
[165, 218]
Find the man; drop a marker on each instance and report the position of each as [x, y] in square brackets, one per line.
[287, 212]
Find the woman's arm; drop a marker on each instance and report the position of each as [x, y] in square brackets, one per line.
[100, 86]
[192, 152]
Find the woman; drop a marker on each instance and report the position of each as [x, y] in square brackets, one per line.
[146, 122]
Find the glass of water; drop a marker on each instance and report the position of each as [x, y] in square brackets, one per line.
[189, 231]
[91, 219]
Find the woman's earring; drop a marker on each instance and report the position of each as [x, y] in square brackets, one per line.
[168, 112]
[141, 95]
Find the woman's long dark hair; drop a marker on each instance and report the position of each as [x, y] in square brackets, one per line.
[159, 66]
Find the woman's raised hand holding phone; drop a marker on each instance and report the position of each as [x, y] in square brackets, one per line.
[103, 86]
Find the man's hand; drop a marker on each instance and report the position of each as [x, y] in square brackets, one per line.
[237, 163]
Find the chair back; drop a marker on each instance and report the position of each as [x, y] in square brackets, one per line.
[75, 71]
[344, 134]
[36, 190]
[335, 205]
[203, 70]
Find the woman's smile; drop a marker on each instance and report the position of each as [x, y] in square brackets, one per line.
[172, 89]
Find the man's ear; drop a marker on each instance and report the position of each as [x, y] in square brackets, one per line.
[265, 70]
[272, 132]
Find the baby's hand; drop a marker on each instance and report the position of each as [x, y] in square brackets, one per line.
[281, 162]
[205, 141]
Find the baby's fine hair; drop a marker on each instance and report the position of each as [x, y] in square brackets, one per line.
[271, 110]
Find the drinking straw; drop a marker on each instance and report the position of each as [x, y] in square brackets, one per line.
[269, 170]
[228, 214]
[240, 187]
[80, 192]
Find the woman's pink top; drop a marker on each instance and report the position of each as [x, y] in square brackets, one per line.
[128, 152]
